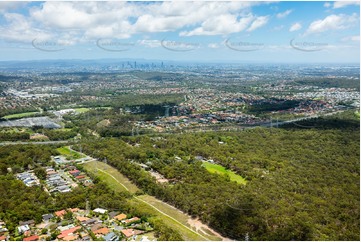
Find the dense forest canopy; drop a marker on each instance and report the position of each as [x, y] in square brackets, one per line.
[303, 182]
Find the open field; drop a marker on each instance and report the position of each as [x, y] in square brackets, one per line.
[69, 154]
[214, 168]
[84, 110]
[103, 170]
[187, 233]
[81, 110]
[178, 215]
[148, 204]
[20, 115]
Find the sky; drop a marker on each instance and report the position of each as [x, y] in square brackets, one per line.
[199, 31]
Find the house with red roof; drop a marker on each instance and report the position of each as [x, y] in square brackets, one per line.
[68, 232]
[74, 172]
[120, 216]
[131, 220]
[102, 231]
[60, 213]
[31, 238]
[131, 232]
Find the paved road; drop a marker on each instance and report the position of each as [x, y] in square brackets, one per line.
[298, 119]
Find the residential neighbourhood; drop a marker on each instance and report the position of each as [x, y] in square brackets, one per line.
[81, 225]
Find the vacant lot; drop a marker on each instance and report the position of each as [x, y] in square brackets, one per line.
[69, 154]
[114, 178]
[81, 110]
[214, 168]
[148, 204]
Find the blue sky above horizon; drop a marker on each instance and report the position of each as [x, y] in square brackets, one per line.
[234, 31]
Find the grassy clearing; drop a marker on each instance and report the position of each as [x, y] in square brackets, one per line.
[167, 214]
[187, 234]
[171, 211]
[84, 110]
[69, 154]
[218, 169]
[96, 166]
[174, 213]
[20, 115]
[64, 129]
[81, 110]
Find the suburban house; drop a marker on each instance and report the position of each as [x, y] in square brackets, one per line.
[120, 217]
[101, 232]
[111, 237]
[100, 210]
[23, 228]
[74, 172]
[68, 232]
[82, 219]
[131, 232]
[89, 221]
[47, 217]
[3, 228]
[71, 237]
[60, 213]
[29, 222]
[31, 238]
[131, 220]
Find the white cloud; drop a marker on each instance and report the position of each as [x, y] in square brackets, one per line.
[355, 38]
[20, 30]
[223, 24]
[327, 5]
[295, 27]
[342, 4]
[284, 14]
[94, 20]
[149, 23]
[332, 22]
[149, 43]
[259, 22]
[213, 45]
[5, 6]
